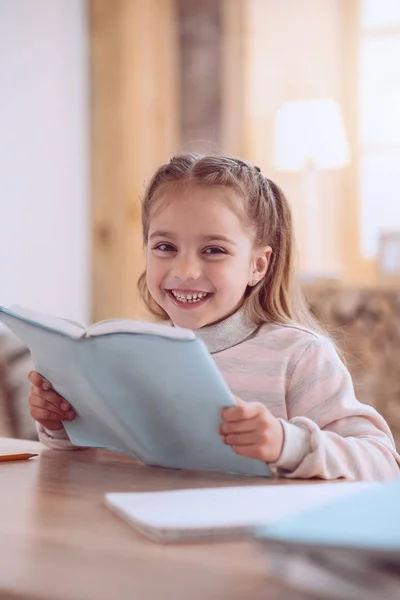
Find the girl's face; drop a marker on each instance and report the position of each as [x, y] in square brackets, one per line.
[200, 259]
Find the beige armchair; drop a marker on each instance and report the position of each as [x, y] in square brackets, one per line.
[15, 364]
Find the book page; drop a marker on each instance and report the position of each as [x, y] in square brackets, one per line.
[71, 328]
[140, 327]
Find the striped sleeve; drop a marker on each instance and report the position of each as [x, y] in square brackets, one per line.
[329, 433]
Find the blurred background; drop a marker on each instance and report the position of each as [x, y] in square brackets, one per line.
[95, 94]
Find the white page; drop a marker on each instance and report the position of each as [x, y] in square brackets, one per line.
[109, 326]
[224, 508]
[71, 328]
[77, 330]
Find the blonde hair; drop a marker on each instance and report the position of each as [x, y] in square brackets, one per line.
[277, 297]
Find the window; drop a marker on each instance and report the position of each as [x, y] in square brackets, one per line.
[379, 121]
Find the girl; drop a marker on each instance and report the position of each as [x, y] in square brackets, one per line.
[219, 260]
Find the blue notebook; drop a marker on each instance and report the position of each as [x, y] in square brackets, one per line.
[367, 522]
[143, 389]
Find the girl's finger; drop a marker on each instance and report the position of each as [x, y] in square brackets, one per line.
[38, 402]
[252, 451]
[244, 439]
[53, 398]
[57, 400]
[243, 426]
[42, 414]
[242, 410]
[37, 380]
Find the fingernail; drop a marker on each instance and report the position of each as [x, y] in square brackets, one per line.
[46, 386]
[70, 414]
[64, 406]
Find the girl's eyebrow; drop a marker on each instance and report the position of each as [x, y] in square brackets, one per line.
[206, 238]
[163, 234]
[218, 238]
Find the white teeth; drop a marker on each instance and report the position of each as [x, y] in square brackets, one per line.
[189, 298]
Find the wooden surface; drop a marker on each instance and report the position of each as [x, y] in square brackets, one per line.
[59, 541]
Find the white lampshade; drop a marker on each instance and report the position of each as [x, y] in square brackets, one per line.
[310, 132]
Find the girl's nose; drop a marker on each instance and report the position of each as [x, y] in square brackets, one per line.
[186, 269]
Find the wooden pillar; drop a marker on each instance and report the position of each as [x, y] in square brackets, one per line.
[200, 35]
[134, 129]
[212, 52]
[235, 32]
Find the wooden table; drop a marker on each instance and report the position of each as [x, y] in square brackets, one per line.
[59, 541]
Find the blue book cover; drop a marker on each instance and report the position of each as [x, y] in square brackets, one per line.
[147, 390]
[367, 522]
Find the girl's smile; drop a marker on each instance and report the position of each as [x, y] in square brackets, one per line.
[189, 299]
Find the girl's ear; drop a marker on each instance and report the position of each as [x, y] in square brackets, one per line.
[260, 265]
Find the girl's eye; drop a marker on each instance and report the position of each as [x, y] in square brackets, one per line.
[165, 248]
[214, 250]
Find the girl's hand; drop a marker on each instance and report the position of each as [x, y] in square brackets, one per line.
[47, 407]
[251, 430]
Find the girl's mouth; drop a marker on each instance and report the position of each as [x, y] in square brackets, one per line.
[188, 299]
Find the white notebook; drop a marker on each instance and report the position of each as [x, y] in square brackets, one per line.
[188, 515]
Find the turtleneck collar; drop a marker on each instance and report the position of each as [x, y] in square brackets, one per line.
[227, 333]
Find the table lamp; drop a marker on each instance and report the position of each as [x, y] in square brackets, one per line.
[310, 136]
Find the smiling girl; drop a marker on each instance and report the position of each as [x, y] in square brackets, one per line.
[219, 260]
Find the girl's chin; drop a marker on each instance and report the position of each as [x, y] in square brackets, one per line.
[190, 320]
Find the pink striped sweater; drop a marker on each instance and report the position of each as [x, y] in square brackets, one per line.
[299, 376]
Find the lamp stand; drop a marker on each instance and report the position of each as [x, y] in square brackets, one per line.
[313, 247]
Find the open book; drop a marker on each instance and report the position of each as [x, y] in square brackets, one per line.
[147, 390]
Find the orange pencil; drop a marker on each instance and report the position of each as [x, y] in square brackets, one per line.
[9, 457]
